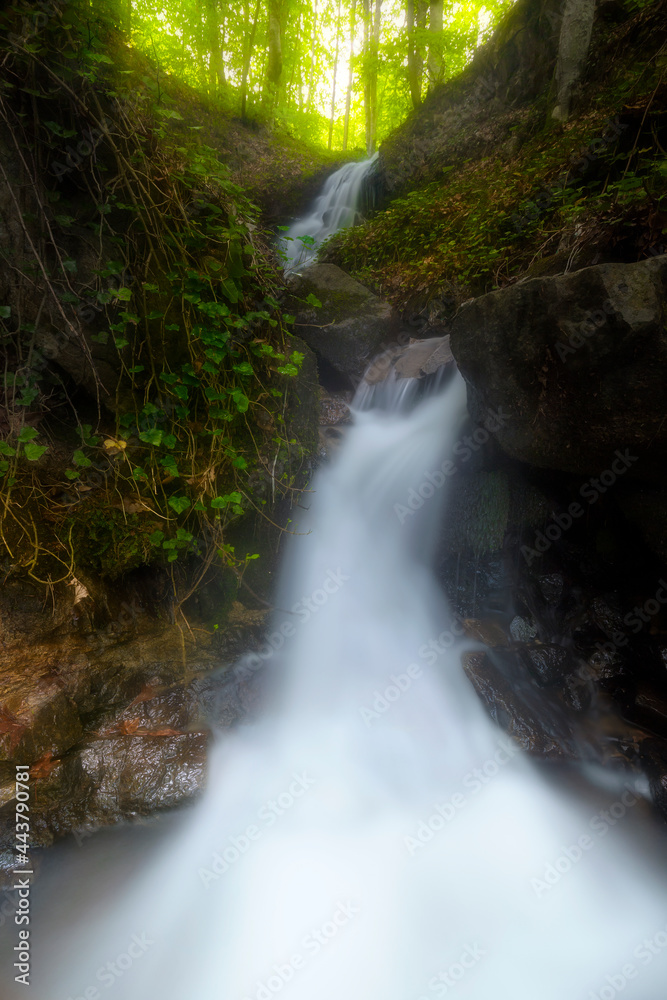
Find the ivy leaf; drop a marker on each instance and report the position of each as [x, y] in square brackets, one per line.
[28, 434]
[178, 504]
[152, 436]
[81, 459]
[5, 312]
[241, 400]
[33, 451]
[313, 300]
[245, 368]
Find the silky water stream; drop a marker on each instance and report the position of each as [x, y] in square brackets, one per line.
[371, 835]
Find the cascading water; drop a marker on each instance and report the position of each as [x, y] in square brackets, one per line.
[373, 836]
[336, 208]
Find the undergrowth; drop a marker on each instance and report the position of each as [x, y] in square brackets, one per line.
[147, 364]
[594, 188]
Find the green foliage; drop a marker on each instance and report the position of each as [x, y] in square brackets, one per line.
[210, 47]
[488, 221]
[182, 306]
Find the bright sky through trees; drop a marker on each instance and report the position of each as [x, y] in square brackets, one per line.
[280, 59]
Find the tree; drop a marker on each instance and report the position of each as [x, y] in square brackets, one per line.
[247, 58]
[216, 66]
[350, 77]
[335, 73]
[373, 102]
[435, 60]
[416, 24]
[274, 67]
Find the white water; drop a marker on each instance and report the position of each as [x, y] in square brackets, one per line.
[335, 863]
[335, 208]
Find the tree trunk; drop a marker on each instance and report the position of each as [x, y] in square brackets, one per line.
[247, 59]
[274, 66]
[366, 9]
[216, 69]
[416, 21]
[335, 71]
[311, 75]
[435, 65]
[375, 45]
[350, 77]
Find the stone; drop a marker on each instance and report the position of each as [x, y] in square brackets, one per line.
[352, 326]
[577, 361]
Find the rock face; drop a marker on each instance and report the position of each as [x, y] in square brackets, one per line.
[114, 721]
[352, 326]
[578, 363]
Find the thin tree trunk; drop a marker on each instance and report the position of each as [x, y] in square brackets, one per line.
[247, 60]
[435, 67]
[375, 39]
[415, 21]
[274, 66]
[311, 75]
[350, 77]
[295, 63]
[216, 69]
[366, 8]
[335, 72]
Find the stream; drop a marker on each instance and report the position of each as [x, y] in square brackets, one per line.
[371, 835]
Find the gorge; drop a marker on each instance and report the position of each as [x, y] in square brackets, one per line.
[432, 757]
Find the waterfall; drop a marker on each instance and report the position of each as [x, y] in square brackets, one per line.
[337, 207]
[372, 836]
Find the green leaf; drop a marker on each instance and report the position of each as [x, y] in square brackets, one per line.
[152, 436]
[72, 473]
[33, 451]
[224, 501]
[179, 504]
[156, 538]
[241, 400]
[313, 300]
[120, 342]
[5, 312]
[6, 449]
[169, 465]
[169, 441]
[28, 434]
[81, 459]
[245, 368]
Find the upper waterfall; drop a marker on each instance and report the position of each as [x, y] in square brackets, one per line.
[335, 208]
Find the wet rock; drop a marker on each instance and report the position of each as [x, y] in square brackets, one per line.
[523, 629]
[116, 725]
[418, 359]
[352, 326]
[549, 664]
[577, 363]
[509, 704]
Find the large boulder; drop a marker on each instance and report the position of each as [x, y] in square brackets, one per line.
[348, 330]
[578, 363]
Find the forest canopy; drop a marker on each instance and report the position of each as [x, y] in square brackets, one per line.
[341, 73]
